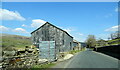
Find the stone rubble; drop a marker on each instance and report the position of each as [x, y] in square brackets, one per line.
[68, 56]
[65, 56]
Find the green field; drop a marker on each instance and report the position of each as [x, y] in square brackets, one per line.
[14, 41]
[114, 41]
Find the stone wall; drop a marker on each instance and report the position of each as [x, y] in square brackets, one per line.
[25, 58]
[112, 50]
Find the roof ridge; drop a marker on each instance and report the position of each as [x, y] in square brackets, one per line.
[52, 25]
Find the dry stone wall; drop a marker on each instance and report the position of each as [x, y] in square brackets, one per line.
[25, 58]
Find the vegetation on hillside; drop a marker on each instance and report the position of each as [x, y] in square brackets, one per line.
[101, 43]
[115, 38]
[93, 43]
[114, 41]
[14, 41]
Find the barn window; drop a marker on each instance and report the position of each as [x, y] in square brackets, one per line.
[70, 44]
[42, 32]
[37, 32]
[48, 38]
[48, 25]
[42, 38]
[53, 39]
[34, 39]
[38, 40]
[45, 33]
[63, 42]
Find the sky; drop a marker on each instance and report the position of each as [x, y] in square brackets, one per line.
[79, 19]
[61, 0]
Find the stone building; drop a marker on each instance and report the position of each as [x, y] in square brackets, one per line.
[49, 32]
[76, 45]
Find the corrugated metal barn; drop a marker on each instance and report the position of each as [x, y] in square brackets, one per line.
[49, 32]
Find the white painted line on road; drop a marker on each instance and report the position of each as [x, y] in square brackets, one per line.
[105, 55]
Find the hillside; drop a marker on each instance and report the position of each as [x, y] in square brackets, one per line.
[114, 42]
[14, 41]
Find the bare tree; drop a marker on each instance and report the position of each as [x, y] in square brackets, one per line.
[91, 41]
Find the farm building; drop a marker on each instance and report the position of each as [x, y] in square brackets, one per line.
[83, 45]
[51, 36]
[76, 45]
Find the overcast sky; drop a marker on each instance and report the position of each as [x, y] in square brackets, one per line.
[79, 19]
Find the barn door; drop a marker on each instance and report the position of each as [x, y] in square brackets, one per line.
[47, 50]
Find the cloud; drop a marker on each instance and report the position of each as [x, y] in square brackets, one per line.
[37, 23]
[103, 36]
[23, 25]
[20, 30]
[75, 34]
[114, 28]
[68, 30]
[16, 30]
[80, 34]
[10, 15]
[72, 31]
[3, 28]
[79, 37]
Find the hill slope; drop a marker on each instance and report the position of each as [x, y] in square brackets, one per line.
[114, 42]
[15, 41]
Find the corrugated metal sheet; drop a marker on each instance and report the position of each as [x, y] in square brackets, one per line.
[47, 50]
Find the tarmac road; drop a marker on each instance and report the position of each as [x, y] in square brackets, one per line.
[89, 59]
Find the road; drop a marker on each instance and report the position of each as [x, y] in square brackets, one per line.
[89, 59]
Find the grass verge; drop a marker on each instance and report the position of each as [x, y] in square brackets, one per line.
[76, 51]
[42, 67]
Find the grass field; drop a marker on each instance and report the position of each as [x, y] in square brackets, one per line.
[114, 41]
[14, 41]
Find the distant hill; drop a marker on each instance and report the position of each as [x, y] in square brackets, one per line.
[114, 41]
[14, 41]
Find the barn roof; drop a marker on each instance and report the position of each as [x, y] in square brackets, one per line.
[53, 26]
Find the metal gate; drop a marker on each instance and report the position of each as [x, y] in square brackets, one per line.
[47, 50]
